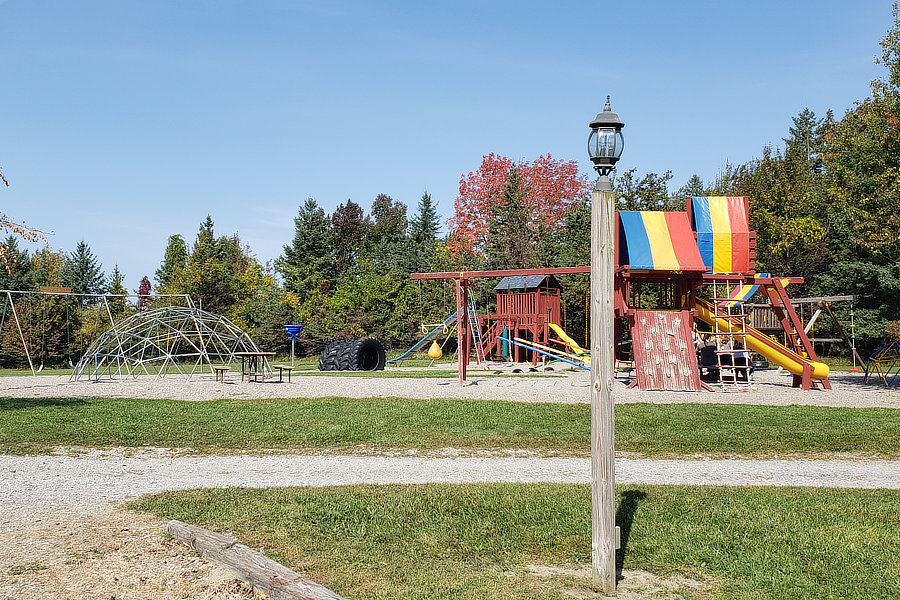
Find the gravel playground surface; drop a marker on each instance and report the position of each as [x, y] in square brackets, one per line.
[62, 534]
[768, 387]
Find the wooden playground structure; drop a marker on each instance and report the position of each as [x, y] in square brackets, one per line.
[676, 254]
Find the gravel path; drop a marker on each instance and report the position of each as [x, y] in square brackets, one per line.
[91, 481]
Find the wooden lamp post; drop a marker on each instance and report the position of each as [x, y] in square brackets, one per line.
[605, 145]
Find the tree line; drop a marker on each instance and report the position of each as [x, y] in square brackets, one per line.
[826, 207]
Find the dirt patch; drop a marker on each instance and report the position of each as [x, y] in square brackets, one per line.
[633, 584]
[112, 554]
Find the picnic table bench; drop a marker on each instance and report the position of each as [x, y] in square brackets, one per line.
[281, 371]
[220, 371]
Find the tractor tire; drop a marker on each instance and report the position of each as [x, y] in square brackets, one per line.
[364, 354]
[328, 360]
[368, 354]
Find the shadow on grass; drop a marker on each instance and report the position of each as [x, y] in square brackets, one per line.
[624, 519]
[20, 403]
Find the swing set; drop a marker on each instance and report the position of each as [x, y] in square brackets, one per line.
[48, 330]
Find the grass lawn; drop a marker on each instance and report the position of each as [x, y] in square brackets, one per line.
[33, 425]
[477, 541]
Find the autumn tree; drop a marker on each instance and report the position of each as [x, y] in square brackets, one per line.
[550, 186]
[143, 292]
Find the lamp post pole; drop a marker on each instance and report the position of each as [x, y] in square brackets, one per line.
[605, 146]
[603, 478]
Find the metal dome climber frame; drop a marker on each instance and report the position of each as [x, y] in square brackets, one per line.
[160, 341]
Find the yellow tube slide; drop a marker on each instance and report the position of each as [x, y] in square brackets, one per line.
[762, 344]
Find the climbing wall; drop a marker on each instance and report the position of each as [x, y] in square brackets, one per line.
[664, 354]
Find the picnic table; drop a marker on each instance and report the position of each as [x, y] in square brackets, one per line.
[254, 364]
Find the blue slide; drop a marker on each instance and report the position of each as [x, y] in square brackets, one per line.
[428, 337]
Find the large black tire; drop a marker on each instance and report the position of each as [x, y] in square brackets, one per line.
[368, 354]
[328, 360]
[364, 354]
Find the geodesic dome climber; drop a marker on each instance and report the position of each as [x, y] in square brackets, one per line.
[172, 339]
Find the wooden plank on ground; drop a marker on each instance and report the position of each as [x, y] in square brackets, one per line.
[276, 580]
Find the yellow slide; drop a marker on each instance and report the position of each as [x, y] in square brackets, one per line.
[578, 350]
[762, 344]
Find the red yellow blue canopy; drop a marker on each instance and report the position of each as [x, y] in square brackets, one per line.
[723, 232]
[658, 241]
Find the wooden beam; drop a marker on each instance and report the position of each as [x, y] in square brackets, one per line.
[500, 273]
[276, 580]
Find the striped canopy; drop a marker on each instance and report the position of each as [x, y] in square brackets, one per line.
[723, 232]
[657, 241]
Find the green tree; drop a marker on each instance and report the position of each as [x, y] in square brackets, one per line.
[693, 187]
[82, 271]
[349, 228]
[511, 240]
[174, 261]
[214, 269]
[117, 288]
[307, 263]
[861, 158]
[650, 192]
[16, 271]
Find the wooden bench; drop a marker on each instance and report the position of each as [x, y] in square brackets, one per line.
[281, 371]
[220, 371]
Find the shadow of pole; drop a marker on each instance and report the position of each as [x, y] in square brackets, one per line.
[624, 519]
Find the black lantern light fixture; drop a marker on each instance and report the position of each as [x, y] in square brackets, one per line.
[605, 143]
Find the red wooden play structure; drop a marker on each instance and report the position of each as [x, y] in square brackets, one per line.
[674, 254]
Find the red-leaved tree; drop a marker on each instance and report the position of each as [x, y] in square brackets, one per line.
[551, 187]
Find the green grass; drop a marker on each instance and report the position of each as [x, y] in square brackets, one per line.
[32, 425]
[476, 541]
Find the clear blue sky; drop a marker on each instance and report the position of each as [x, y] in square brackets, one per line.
[124, 122]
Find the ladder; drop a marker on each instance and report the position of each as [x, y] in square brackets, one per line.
[732, 376]
[475, 326]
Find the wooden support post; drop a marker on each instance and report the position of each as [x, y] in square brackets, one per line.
[603, 493]
[276, 580]
[461, 322]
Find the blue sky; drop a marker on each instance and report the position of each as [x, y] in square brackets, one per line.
[124, 122]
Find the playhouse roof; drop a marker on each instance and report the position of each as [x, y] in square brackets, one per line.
[524, 283]
[658, 241]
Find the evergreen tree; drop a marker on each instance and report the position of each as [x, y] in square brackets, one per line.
[693, 187]
[423, 234]
[117, 288]
[510, 241]
[307, 263]
[174, 261]
[82, 271]
[425, 226]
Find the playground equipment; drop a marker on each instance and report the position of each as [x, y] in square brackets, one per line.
[293, 332]
[49, 292]
[159, 341]
[673, 254]
[437, 330]
[885, 362]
